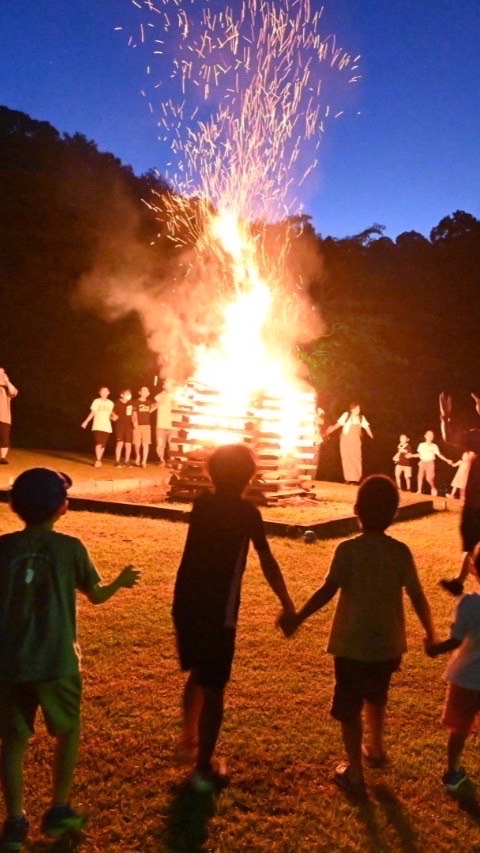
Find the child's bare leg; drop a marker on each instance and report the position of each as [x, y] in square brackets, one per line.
[128, 451]
[375, 719]
[11, 773]
[408, 482]
[209, 725]
[352, 732]
[99, 448]
[466, 567]
[66, 752]
[145, 449]
[420, 480]
[431, 483]
[455, 744]
[118, 451]
[192, 704]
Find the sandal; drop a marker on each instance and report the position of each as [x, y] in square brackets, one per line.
[343, 779]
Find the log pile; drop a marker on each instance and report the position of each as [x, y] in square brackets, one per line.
[281, 435]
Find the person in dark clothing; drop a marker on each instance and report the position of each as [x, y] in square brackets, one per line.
[207, 599]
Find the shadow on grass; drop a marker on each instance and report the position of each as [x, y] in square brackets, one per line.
[408, 838]
[467, 801]
[67, 844]
[187, 819]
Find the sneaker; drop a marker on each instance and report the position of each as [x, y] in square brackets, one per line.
[14, 833]
[97, 464]
[434, 493]
[118, 464]
[4, 462]
[212, 781]
[62, 819]
[452, 779]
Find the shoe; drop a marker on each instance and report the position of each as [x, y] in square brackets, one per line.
[97, 464]
[4, 462]
[62, 819]
[434, 493]
[374, 761]
[214, 780]
[144, 464]
[14, 833]
[453, 586]
[118, 464]
[452, 779]
[343, 780]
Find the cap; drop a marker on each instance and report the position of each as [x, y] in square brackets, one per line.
[38, 493]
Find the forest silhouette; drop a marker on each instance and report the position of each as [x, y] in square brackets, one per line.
[400, 316]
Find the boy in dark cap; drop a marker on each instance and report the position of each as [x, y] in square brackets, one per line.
[40, 571]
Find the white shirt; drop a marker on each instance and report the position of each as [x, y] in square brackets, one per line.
[102, 409]
[427, 451]
[347, 420]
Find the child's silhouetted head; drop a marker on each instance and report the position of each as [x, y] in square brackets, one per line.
[38, 494]
[377, 503]
[231, 468]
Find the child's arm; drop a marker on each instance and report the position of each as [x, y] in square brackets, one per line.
[422, 609]
[441, 456]
[127, 578]
[87, 420]
[290, 622]
[396, 457]
[435, 649]
[274, 578]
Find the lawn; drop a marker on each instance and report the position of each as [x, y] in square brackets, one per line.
[279, 740]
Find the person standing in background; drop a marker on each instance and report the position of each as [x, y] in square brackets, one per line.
[100, 413]
[352, 423]
[7, 393]
[163, 407]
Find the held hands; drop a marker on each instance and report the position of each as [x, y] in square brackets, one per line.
[288, 622]
[129, 577]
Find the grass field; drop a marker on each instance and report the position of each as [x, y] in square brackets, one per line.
[279, 740]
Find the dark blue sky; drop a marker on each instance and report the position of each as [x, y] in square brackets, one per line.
[405, 154]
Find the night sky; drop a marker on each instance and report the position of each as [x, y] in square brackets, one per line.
[404, 154]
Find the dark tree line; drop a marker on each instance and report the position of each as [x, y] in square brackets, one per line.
[401, 317]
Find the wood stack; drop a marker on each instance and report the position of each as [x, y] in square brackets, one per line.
[206, 419]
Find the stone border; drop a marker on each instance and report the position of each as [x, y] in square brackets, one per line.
[330, 529]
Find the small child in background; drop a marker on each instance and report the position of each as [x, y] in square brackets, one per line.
[462, 704]
[459, 481]
[100, 413]
[403, 462]
[122, 417]
[427, 452]
[367, 636]
[207, 599]
[40, 572]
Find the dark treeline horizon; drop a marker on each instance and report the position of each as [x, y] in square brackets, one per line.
[401, 317]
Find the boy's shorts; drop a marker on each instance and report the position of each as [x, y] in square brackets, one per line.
[59, 700]
[124, 432]
[358, 681]
[100, 437]
[211, 656]
[142, 435]
[461, 707]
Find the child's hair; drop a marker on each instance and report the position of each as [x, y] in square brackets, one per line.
[231, 467]
[37, 494]
[377, 502]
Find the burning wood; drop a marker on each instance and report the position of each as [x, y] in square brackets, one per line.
[280, 431]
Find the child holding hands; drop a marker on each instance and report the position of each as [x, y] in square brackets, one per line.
[367, 635]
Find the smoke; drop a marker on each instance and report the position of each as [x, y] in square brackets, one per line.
[180, 296]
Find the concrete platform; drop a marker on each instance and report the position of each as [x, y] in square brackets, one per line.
[92, 489]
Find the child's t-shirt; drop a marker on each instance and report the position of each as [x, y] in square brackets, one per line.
[39, 576]
[371, 571]
[102, 410]
[427, 451]
[464, 665]
[207, 587]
